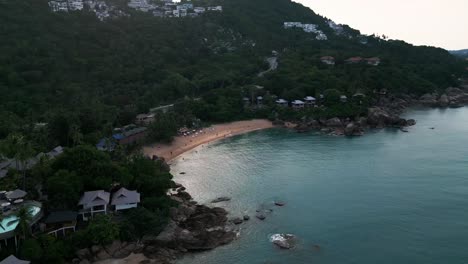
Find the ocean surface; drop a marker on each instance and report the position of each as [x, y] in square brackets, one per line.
[386, 197]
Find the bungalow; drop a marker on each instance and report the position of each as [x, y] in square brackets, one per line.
[131, 136]
[215, 8]
[343, 98]
[297, 104]
[282, 102]
[354, 60]
[199, 10]
[259, 100]
[125, 199]
[328, 60]
[93, 202]
[13, 260]
[310, 101]
[60, 221]
[246, 101]
[145, 119]
[375, 61]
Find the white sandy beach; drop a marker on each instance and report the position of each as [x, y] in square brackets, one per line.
[183, 144]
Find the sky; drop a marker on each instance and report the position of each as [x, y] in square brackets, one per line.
[440, 23]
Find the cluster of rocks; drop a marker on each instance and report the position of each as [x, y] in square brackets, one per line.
[452, 97]
[117, 249]
[191, 227]
[377, 117]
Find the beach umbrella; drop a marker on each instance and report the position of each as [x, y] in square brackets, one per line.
[16, 194]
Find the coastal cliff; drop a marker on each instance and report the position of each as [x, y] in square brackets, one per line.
[191, 228]
[385, 113]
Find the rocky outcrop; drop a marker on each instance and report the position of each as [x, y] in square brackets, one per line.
[284, 241]
[191, 227]
[117, 249]
[334, 122]
[379, 117]
[429, 99]
[444, 101]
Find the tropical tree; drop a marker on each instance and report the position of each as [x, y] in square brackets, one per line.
[24, 219]
[16, 146]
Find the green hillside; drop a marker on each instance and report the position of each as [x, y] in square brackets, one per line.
[73, 70]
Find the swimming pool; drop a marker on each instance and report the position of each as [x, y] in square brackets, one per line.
[10, 223]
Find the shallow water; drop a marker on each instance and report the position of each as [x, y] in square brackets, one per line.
[387, 197]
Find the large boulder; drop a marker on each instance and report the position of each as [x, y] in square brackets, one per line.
[334, 122]
[379, 117]
[444, 100]
[351, 129]
[284, 241]
[429, 99]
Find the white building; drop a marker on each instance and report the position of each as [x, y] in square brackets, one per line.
[93, 202]
[199, 10]
[124, 199]
[297, 104]
[282, 102]
[310, 101]
[343, 98]
[215, 8]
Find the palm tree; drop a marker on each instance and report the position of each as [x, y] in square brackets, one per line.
[24, 216]
[17, 147]
[1, 219]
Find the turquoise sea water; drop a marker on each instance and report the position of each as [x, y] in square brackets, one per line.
[387, 197]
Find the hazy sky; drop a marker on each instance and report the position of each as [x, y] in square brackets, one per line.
[441, 23]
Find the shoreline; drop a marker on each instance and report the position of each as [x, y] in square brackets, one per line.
[182, 144]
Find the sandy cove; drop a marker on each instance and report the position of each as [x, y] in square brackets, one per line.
[183, 144]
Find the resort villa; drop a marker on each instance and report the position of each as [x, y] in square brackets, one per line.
[98, 202]
[124, 199]
[259, 101]
[328, 60]
[93, 202]
[343, 98]
[310, 101]
[298, 104]
[282, 102]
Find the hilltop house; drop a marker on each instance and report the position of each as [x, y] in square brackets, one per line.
[328, 60]
[354, 60]
[125, 199]
[259, 100]
[199, 10]
[375, 61]
[310, 101]
[93, 202]
[282, 102]
[298, 104]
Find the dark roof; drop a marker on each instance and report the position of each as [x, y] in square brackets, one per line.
[60, 217]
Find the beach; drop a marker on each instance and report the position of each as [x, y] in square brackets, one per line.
[183, 144]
